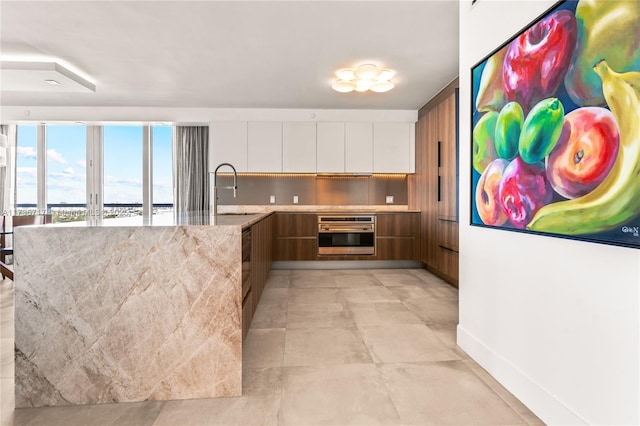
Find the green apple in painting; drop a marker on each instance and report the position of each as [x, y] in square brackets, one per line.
[508, 128]
[608, 30]
[484, 149]
[541, 130]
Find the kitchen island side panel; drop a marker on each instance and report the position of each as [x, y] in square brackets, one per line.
[109, 314]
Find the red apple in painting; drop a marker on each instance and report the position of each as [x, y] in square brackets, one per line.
[537, 61]
[585, 152]
[523, 190]
[488, 194]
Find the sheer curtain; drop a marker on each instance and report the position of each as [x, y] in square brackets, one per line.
[4, 154]
[191, 169]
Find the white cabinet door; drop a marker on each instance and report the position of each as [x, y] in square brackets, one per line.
[330, 149]
[265, 146]
[228, 144]
[393, 146]
[359, 147]
[299, 147]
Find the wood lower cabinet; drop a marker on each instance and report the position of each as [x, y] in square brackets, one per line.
[261, 255]
[433, 188]
[296, 236]
[396, 248]
[448, 264]
[260, 264]
[248, 309]
[398, 236]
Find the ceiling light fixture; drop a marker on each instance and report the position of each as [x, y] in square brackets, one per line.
[363, 78]
[25, 76]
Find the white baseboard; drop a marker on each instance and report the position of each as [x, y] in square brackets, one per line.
[540, 401]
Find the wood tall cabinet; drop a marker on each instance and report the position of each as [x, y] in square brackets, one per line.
[433, 189]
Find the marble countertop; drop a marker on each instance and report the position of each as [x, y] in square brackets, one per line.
[242, 219]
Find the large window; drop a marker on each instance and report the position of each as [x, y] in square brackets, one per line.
[26, 170]
[122, 165]
[97, 166]
[67, 172]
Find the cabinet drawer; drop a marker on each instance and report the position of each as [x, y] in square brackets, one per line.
[305, 248]
[448, 234]
[448, 264]
[247, 313]
[396, 248]
[296, 225]
[398, 224]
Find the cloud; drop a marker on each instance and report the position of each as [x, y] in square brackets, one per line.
[55, 156]
[27, 152]
[82, 163]
[27, 172]
[113, 180]
[68, 173]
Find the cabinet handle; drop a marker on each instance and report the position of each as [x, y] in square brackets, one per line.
[439, 181]
[439, 154]
[447, 248]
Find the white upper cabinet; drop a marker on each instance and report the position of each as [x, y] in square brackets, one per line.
[228, 144]
[265, 146]
[310, 147]
[359, 147]
[393, 147]
[330, 148]
[299, 147]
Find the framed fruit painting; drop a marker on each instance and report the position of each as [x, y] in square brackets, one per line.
[556, 126]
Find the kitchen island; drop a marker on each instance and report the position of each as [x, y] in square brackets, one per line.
[128, 311]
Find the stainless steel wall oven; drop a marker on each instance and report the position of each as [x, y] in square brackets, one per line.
[349, 234]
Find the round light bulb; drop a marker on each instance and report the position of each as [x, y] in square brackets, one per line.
[345, 74]
[343, 86]
[386, 75]
[382, 86]
[363, 85]
[367, 72]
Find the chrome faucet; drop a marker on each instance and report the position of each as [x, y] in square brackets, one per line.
[215, 188]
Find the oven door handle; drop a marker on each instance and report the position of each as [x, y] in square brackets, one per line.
[343, 230]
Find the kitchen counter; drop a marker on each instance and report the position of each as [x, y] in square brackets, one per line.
[129, 311]
[243, 219]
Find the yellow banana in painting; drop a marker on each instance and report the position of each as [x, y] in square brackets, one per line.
[617, 199]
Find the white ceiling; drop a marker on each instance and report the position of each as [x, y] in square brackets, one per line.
[235, 54]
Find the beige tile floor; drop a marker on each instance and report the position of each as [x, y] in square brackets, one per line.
[336, 347]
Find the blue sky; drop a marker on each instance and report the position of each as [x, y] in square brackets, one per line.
[66, 164]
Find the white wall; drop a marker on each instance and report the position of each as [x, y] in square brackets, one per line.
[555, 321]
